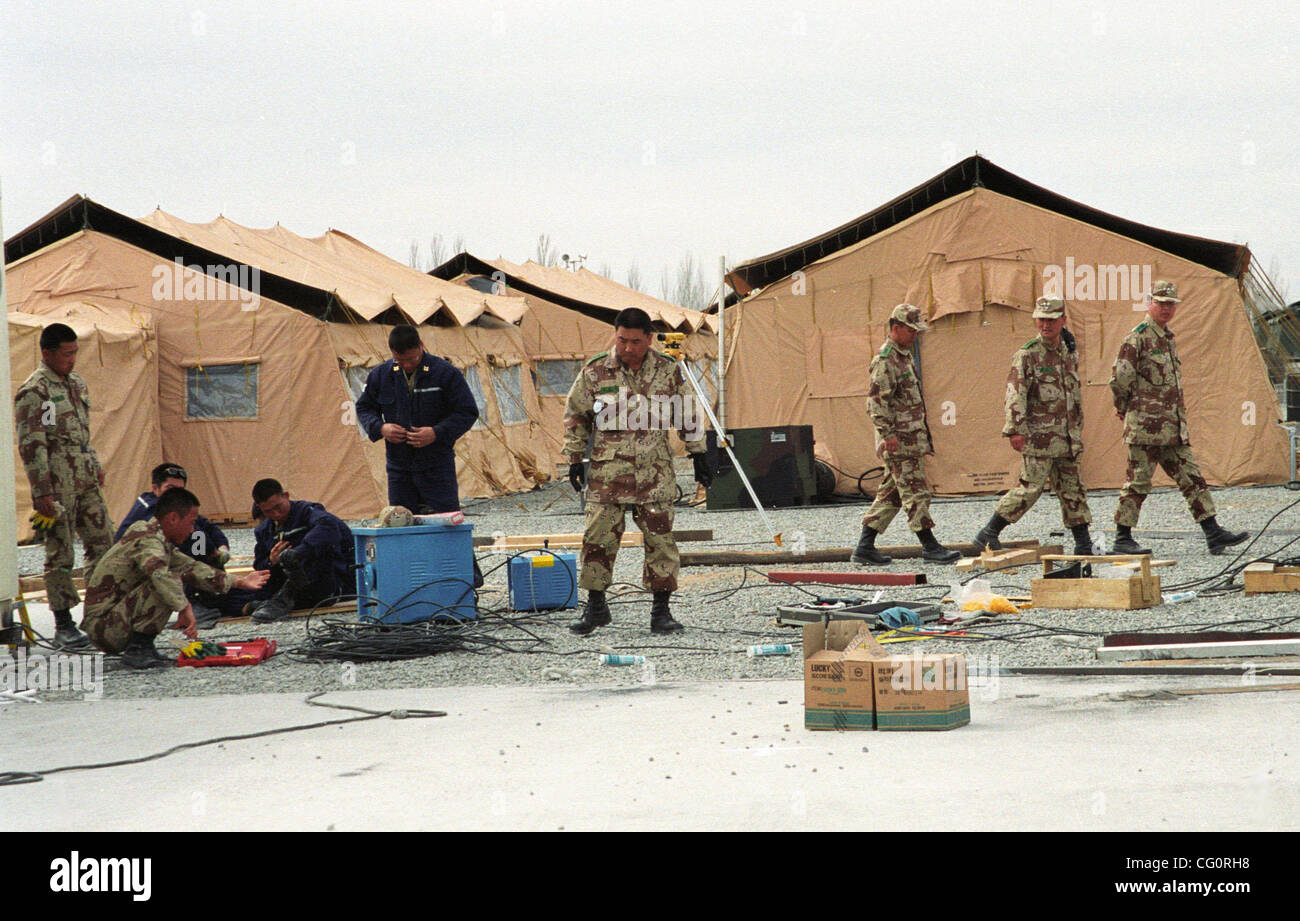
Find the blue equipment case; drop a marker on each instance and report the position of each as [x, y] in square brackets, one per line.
[542, 579]
[408, 575]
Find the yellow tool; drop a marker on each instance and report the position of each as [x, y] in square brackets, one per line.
[17, 633]
[673, 344]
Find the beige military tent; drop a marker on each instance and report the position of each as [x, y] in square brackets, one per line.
[257, 370]
[974, 247]
[118, 357]
[570, 319]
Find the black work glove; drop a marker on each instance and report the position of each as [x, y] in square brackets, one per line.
[577, 476]
[703, 472]
[1068, 338]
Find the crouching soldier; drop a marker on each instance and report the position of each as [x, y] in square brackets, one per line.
[308, 552]
[208, 544]
[1044, 421]
[138, 584]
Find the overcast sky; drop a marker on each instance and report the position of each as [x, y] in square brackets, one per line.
[640, 131]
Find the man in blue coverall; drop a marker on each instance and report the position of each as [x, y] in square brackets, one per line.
[308, 551]
[208, 544]
[419, 404]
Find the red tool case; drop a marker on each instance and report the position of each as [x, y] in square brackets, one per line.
[249, 652]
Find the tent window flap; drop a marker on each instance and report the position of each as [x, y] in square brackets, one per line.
[475, 381]
[556, 376]
[221, 392]
[508, 383]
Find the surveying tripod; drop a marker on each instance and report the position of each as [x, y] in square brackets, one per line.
[673, 349]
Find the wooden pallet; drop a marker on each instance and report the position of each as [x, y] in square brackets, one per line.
[1139, 590]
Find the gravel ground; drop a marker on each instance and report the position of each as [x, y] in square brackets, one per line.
[726, 608]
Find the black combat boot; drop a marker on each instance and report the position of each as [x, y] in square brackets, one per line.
[1124, 542]
[865, 552]
[276, 608]
[1082, 540]
[66, 635]
[661, 619]
[934, 551]
[205, 618]
[141, 654]
[1217, 538]
[594, 614]
[987, 536]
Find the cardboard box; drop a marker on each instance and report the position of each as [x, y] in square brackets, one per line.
[921, 692]
[837, 684]
[850, 682]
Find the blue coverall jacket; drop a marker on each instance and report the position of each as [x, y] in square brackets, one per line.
[420, 478]
[327, 544]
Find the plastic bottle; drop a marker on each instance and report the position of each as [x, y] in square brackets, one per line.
[1175, 597]
[608, 659]
[778, 649]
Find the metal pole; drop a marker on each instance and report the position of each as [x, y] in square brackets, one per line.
[723, 441]
[8, 513]
[721, 376]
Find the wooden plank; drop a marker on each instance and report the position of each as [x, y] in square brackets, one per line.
[1246, 648]
[343, 608]
[28, 584]
[682, 537]
[1206, 636]
[847, 578]
[1136, 565]
[1006, 558]
[829, 555]
[1269, 577]
[1128, 594]
[555, 542]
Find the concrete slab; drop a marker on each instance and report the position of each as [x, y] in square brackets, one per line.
[1040, 753]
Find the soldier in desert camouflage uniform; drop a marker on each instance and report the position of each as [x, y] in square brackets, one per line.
[630, 398]
[902, 440]
[1146, 383]
[138, 584]
[52, 415]
[1044, 421]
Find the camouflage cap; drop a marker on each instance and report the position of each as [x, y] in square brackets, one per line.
[1049, 308]
[909, 316]
[1165, 291]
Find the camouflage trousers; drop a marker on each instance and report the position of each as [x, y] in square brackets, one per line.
[1178, 462]
[604, 531]
[86, 514]
[904, 486]
[1036, 474]
[140, 610]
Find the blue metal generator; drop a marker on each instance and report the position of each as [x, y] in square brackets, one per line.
[408, 575]
[542, 579]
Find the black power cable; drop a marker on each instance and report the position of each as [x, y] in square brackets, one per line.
[11, 778]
